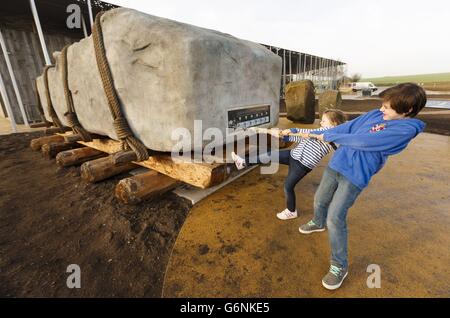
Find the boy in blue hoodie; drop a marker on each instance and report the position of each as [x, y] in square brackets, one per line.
[365, 144]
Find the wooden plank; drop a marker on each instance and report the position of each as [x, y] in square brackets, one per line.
[30, 96]
[143, 186]
[34, 57]
[201, 175]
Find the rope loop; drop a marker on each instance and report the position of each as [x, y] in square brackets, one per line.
[121, 125]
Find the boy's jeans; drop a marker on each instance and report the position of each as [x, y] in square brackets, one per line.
[335, 195]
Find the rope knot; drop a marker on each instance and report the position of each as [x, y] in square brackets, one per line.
[72, 119]
[122, 128]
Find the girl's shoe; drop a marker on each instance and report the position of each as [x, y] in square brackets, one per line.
[238, 161]
[287, 215]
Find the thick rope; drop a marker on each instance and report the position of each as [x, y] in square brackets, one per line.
[121, 126]
[39, 104]
[71, 115]
[50, 109]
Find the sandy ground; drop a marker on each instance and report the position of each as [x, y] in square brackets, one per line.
[233, 245]
[6, 129]
[49, 219]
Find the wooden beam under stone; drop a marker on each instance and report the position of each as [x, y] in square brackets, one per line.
[37, 143]
[103, 168]
[50, 150]
[143, 186]
[78, 156]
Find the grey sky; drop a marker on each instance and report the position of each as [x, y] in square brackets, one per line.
[375, 38]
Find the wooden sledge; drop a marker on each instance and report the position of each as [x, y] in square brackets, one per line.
[99, 162]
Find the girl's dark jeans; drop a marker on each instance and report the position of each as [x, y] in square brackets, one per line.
[296, 172]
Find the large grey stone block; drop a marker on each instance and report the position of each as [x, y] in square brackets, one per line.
[41, 90]
[168, 74]
[55, 84]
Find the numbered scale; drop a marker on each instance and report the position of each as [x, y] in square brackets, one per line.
[249, 116]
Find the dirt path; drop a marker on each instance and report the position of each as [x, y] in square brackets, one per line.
[49, 219]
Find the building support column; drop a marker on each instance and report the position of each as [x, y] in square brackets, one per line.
[40, 34]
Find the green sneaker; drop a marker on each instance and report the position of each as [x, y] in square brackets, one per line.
[310, 227]
[333, 280]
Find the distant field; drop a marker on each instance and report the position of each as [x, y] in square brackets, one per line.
[419, 78]
[436, 81]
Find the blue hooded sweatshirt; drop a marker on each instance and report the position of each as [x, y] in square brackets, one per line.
[365, 143]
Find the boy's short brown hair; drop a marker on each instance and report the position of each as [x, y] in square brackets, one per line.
[336, 116]
[406, 98]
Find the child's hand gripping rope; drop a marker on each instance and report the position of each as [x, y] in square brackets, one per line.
[286, 132]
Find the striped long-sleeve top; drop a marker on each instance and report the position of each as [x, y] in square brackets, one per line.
[308, 151]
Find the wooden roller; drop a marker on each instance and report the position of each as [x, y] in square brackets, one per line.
[78, 156]
[103, 168]
[143, 187]
[50, 150]
[37, 143]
